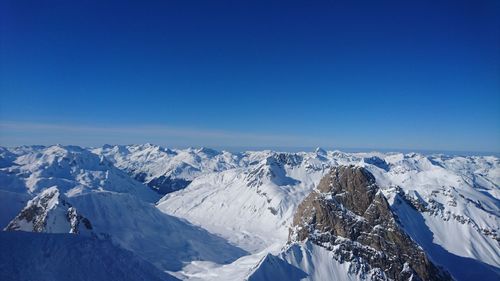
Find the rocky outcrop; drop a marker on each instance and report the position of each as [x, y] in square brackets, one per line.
[349, 215]
[50, 212]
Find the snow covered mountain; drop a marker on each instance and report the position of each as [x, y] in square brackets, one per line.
[228, 216]
[167, 170]
[65, 182]
[348, 215]
[250, 206]
[253, 206]
[50, 212]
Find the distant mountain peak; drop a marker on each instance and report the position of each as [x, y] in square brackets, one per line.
[320, 151]
[207, 151]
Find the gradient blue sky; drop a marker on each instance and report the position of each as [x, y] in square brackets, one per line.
[339, 74]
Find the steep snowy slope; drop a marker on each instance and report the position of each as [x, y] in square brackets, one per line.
[11, 203]
[457, 198]
[71, 181]
[303, 261]
[462, 250]
[53, 257]
[163, 240]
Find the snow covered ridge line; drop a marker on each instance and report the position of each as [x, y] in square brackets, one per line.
[168, 170]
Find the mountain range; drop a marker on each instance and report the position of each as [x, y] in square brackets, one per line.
[202, 214]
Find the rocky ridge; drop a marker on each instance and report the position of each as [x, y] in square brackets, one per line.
[348, 215]
[50, 212]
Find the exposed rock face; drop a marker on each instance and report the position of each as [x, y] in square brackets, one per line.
[350, 216]
[50, 212]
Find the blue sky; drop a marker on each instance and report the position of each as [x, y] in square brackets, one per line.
[420, 75]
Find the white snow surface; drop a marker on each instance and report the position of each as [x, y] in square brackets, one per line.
[304, 261]
[239, 206]
[65, 257]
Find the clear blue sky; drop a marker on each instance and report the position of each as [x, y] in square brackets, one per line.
[339, 74]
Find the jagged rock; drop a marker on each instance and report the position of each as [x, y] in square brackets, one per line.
[50, 212]
[350, 216]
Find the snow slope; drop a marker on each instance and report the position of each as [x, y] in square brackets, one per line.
[252, 206]
[52, 257]
[163, 240]
[302, 261]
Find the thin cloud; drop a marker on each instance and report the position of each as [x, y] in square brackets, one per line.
[44, 133]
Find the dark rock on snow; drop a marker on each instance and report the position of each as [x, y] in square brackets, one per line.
[349, 215]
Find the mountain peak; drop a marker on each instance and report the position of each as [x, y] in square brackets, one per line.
[207, 151]
[348, 215]
[354, 185]
[320, 151]
[50, 211]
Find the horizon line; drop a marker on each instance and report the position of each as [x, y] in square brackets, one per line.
[298, 149]
[24, 133]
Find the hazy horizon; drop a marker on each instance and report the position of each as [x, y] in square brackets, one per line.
[47, 134]
[290, 149]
